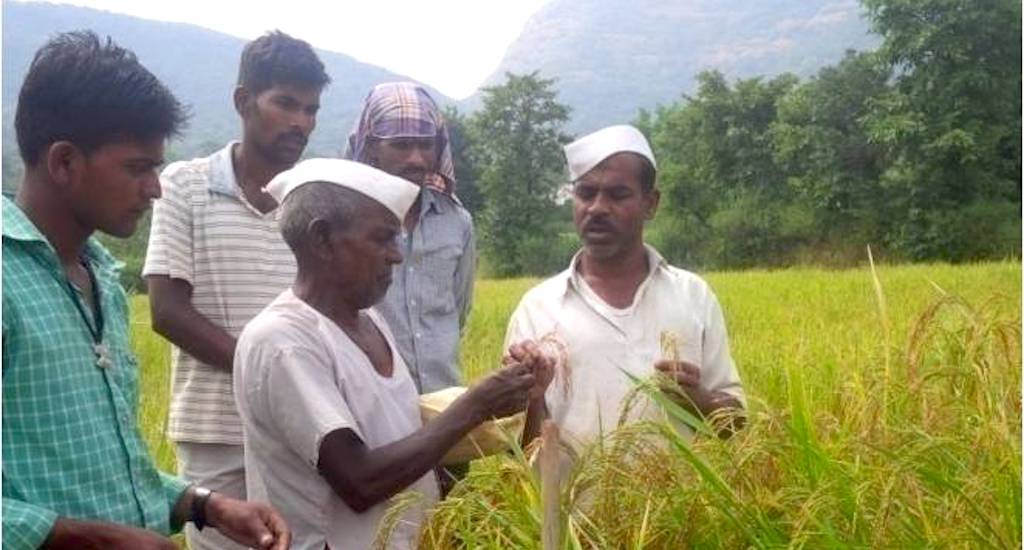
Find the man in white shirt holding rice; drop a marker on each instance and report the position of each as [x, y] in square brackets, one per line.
[620, 303]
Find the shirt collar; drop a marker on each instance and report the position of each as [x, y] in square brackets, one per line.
[17, 226]
[570, 276]
[222, 172]
[429, 201]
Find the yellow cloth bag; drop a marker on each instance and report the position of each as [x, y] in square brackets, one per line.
[490, 437]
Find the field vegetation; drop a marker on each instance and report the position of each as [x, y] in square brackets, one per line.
[884, 412]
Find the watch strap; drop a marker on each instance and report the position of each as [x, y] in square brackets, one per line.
[200, 496]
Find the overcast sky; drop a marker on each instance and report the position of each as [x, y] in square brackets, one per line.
[449, 44]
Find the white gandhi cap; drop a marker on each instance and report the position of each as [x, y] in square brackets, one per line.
[588, 151]
[395, 193]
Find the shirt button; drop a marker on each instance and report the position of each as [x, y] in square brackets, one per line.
[418, 335]
[411, 269]
[413, 302]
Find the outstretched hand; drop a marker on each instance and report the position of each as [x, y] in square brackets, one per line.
[542, 365]
[249, 523]
[683, 386]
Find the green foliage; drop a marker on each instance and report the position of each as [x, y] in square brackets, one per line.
[914, 149]
[132, 253]
[819, 142]
[951, 119]
[466, 173]
[720, 183]
[826, 461]
[823, 462]
[517, 138]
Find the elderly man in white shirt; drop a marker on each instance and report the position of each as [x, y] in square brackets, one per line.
[330, 413]
[620, 302]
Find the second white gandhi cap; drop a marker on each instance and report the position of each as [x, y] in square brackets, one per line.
[588, 151]
[395, 193]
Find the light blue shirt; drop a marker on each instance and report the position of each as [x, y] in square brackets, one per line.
[432, 290]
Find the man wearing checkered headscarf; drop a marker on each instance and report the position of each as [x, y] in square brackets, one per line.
[404, 110]
[402, 132]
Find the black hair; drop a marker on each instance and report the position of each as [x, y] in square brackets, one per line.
[647, 174]
[90, 93]
[276, 58]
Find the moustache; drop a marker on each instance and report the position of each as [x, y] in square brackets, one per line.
[599, 224]
[296, 137]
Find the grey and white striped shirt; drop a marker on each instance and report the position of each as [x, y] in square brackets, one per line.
[205, 233]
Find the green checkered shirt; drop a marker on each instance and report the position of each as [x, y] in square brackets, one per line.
[71, 444]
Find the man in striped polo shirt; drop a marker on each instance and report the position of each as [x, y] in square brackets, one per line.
[216, 256]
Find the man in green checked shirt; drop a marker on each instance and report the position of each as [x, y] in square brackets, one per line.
[91, 123]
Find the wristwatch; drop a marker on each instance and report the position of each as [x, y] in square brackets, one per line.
[200, 495]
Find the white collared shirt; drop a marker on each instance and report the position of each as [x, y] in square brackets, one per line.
[602, 342]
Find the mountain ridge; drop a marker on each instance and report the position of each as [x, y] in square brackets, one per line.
[614, 57]
[198, 64]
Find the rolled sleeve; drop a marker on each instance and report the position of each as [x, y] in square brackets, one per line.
[170, 238]
[517, 330]
[465, 273]
[25, 525]
[720, 372]
[304, 400]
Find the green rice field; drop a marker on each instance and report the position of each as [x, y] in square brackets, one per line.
[884, 412]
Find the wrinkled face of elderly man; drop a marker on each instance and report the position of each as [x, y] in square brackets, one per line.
[343, 236]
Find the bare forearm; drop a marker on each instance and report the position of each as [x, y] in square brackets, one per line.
[194, 333]
[536, 414]
[374, 475]
[75, 534]
[175, 318]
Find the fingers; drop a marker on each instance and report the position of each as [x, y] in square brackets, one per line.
[523, 351]
[686, 374]
[257, 532]
[270, 530]
[523, 377]
[282, 536]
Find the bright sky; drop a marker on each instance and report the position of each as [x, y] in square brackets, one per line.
[452, 45]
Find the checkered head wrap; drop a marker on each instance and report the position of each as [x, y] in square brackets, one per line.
[403, 109]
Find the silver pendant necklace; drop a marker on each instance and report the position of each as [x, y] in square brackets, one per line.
[99, 347]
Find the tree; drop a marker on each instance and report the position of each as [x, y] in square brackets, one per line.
[951, 122]
[820, 143]
[466, 173]
[517, 142]
[725, 200]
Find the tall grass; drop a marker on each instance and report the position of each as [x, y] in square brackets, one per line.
[881, 417]
[824, 462]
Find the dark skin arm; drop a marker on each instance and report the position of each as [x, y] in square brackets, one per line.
[687, 392]
[174, 318]
[536, 408]
[68, 534]
[536, 414]
[364, 477]
[254, 525]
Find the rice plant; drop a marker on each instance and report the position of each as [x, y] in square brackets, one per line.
[869, 425]
[913, 439]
